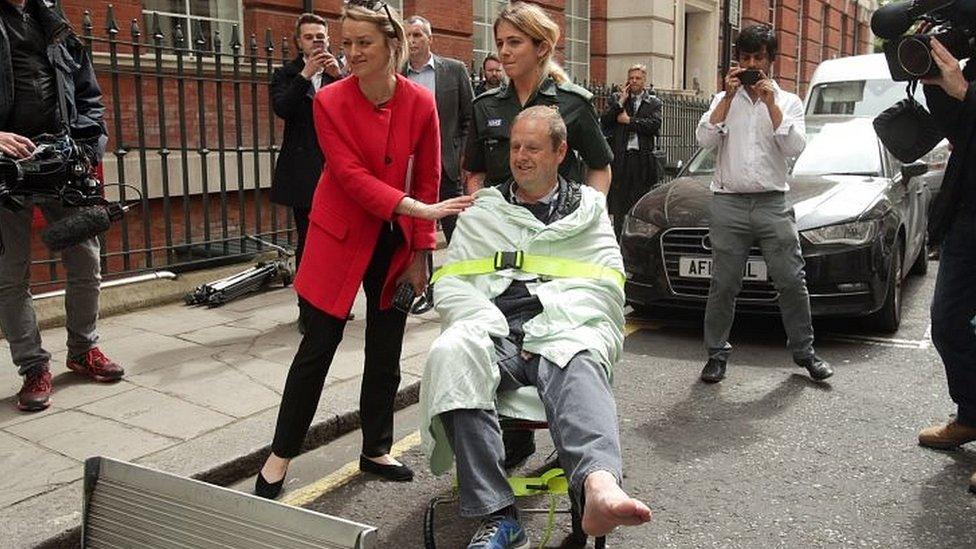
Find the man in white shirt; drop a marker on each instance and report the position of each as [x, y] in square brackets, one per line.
[756, 128]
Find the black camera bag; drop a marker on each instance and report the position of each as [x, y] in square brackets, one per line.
[908, 129]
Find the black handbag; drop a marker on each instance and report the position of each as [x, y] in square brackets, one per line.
[907, 128]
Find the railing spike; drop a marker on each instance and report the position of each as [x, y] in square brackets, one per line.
[235, 37]
[157, 28]
[110, 25]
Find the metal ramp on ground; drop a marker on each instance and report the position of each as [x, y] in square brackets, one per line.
[131, 506]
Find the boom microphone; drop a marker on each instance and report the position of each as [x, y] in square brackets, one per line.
[81, 225]
[893, 20]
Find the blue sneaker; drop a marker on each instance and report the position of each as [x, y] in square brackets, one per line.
[499, 532]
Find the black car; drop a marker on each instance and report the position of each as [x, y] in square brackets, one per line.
[861, 215]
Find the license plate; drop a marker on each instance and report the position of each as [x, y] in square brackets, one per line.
[701, 267]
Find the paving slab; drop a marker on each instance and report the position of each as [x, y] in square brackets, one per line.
[141, 353]
[34, 521]
[79, 436]
[269, 374]
[211, 384]
[28, 470]
[158, 413]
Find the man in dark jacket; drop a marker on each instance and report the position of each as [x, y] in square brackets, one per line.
[47, 86]
[633, 120]
[448, 80]
[293, 86]
[952, 100]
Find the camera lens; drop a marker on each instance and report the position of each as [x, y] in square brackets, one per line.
[914, 56]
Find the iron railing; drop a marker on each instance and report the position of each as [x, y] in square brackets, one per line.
[191, 128]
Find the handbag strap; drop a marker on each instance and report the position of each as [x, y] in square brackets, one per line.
[910, 90]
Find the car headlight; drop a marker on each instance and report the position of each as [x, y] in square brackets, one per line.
[853, 234]
[638, 227]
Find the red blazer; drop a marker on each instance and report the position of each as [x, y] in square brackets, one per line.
[368, 150]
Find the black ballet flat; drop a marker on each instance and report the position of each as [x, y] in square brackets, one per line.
[396, 473]
[267, 490]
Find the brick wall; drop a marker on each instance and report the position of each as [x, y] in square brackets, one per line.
[818, 38]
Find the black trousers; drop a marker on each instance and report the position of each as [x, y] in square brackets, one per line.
[449, 189]
[954, 313]
[381, 375]
[633, 176]
[301, 227]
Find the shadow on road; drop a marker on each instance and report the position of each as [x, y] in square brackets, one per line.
[706, 422]
[941, 497]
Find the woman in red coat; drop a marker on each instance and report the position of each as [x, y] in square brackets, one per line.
[372, 223]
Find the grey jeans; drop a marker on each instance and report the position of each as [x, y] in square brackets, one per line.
[17, 318]
[582, 421]
[738, 221]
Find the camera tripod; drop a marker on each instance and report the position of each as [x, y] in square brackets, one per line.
[218, 292]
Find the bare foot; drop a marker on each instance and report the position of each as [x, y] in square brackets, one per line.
[275, 468]
[608, 506]
[385, 459]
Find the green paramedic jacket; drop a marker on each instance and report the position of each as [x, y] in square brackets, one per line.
[579, 314]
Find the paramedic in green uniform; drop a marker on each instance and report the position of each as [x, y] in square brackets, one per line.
[525, 37]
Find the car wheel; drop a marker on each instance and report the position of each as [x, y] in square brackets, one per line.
[888, 317]
[921, 264]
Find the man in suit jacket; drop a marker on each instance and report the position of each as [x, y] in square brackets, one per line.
[293, 86]
[632, 120]
[448, 80]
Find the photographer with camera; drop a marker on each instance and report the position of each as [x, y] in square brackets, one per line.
[51, 89]
[293, 86]
[951, 97]
[755, 127]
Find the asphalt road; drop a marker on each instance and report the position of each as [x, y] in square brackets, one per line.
[767, 458]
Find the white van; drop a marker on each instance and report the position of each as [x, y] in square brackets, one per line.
[861, 85]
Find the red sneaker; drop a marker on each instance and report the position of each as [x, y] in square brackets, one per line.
[96, 365]
[35, 395]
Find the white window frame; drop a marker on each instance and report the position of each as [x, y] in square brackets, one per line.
[189, 34]
[578, 69]
[490, 8]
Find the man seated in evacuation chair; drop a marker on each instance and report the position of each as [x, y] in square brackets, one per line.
[542, 320]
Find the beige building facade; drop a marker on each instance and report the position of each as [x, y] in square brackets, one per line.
[678, 40]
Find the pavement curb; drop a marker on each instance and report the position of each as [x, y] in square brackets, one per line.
[229, 472]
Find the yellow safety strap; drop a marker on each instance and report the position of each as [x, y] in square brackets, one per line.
[542, 265]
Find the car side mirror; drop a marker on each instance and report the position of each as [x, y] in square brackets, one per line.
[673, 169]
[914, 169]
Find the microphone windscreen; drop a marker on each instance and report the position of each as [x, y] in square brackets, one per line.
[75, 228]
[892, 20]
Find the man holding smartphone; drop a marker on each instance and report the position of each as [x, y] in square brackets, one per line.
[293, 86]
[755, 127]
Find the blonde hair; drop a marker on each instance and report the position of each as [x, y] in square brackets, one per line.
[533, 21]
[638, 67]
[391, 27]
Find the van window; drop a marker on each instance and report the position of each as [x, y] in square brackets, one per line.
[857, 97]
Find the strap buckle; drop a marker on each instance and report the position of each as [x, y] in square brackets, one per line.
[508, 260]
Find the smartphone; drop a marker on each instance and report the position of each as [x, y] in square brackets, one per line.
[319, 44]
[749, 77]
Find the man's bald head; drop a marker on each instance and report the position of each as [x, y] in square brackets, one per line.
[537, 147]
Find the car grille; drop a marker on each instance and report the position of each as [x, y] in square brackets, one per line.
[676, 243]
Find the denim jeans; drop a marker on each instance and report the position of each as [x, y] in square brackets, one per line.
[17, 318]
[953, 309]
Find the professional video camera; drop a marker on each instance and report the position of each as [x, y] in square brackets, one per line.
[952, 22]
[59, 171]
